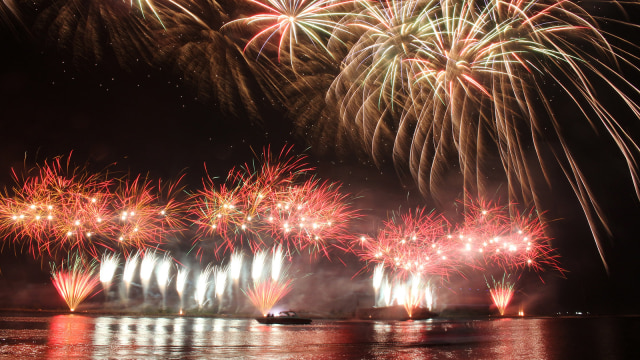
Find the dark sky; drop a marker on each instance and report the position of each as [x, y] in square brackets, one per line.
[147, 120]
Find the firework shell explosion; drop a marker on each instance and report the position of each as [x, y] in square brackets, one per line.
[414, 242]
[272, 205]
[57, 209]
[422, 242]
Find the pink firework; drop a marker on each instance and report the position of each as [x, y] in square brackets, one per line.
[414, 242]
[271, 204]
[265, 294]
[76, 282]
[55, 207]
[501, 293]
[493, 236]
[311, 215]
[141, 218]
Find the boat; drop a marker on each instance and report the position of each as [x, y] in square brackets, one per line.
[394, 312]
[283, 318]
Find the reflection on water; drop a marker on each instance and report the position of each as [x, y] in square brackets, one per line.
[81, 336]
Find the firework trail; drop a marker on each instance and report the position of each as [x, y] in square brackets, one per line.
[212, 62]
[501, 292]
[108, 267]
[258, 265]
[129, 272]
[163, 276]
[181, 283]
[75, 282]
[235, 266]
[147, 265]
[96, 31]
[378, 277]
[202, 286]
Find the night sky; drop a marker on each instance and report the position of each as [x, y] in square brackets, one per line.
[148, 119]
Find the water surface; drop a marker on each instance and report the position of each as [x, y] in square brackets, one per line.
[81, 336]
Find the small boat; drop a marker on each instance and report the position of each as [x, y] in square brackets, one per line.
[283, 318]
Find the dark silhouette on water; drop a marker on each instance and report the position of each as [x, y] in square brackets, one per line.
[284, 318]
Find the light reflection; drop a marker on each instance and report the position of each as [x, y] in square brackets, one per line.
[69, 337]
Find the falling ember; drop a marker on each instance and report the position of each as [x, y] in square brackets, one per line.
[76, 282]
[501, 293]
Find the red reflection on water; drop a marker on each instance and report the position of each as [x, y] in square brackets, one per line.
[69, 336]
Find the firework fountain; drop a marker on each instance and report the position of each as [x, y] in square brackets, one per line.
[108, 267]
[76, 281]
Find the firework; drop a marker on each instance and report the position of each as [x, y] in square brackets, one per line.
[235, 266]
[285, 21]
[494, 236]
[414, 242]
[139, 217]
[265, 294]
[258, 265]
[147, 265]
[448, 87]
[220, 274]
[414, 294]
[56, 207]
[163, 275]
[202, 286]
[181, 283]
[271, 205]
[108, 267]
[501, 292]
[75, 282]
[129, 272]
